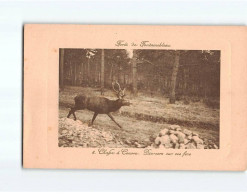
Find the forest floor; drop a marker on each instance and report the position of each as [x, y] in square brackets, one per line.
[145, 117]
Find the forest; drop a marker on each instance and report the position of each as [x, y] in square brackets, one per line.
[186, 74]
[165, 87]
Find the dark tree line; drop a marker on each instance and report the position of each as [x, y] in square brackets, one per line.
[174, 73]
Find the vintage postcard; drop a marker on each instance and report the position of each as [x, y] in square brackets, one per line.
[135, 97]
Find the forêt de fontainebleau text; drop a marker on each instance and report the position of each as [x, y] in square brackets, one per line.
[122, 43]
[148, 152]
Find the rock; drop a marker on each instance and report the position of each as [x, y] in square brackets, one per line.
[70, 133]
[165, 140]
[190, 146]
[197, 140]
[78, 122]
[75, 132]
[210, 141]
[62, 142]
[181, 137]
[172, 132]
[176, 146]
[82, 136]
[152, 138]
[181, 146]
[157, 141]
[186, 141]
[161, 146]
[134, 140]
[84, 145]
[127, 142]
[110, 138]
[200, 146]
[154, 146]
[140, 146]
[93, 145]
[187, 132]
[173, 138]
[77, 128]
[77, 139]
[177, 138]
[70, 138]
[163, 132]
[64, 131]
[61, 136]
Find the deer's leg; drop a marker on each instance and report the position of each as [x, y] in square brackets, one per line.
[74, 114]
[72, 111]
[114, 120]
[94, 117]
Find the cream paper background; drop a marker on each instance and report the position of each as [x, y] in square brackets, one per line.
[13, 17]
[41, 68]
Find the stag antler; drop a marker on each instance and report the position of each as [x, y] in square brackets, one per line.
[120, 92]
[114, 87]
[118, 86]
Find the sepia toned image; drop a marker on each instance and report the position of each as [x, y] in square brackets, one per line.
[139, 98]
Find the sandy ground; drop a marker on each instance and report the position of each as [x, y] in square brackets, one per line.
[137, 128]
[156, 109]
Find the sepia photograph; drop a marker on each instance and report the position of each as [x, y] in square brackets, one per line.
[139, 98]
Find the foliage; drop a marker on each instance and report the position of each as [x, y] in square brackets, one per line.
[198, 72]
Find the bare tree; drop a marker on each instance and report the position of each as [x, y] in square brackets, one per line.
[102, 71]
[88, 70]
[134, 68]
[174, 78]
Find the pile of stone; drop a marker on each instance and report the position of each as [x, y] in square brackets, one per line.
[176, 138]
[77, 134]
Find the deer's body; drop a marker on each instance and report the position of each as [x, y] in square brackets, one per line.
[101, 105]
[98, 105]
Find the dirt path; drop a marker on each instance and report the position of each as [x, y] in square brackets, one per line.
[154, 109]
[133, 129]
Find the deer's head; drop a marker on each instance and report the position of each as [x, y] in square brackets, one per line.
[120, 93]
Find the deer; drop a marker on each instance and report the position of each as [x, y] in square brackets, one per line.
[100, 105]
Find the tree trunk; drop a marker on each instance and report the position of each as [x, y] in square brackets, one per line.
[111, 73]
[88, 71]
[95, 73]
[174, 78]
[61, 69]
[82, 73]
[73, 73]
[102, 76]
[75, 78]
[134, 76]
[185, 81]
